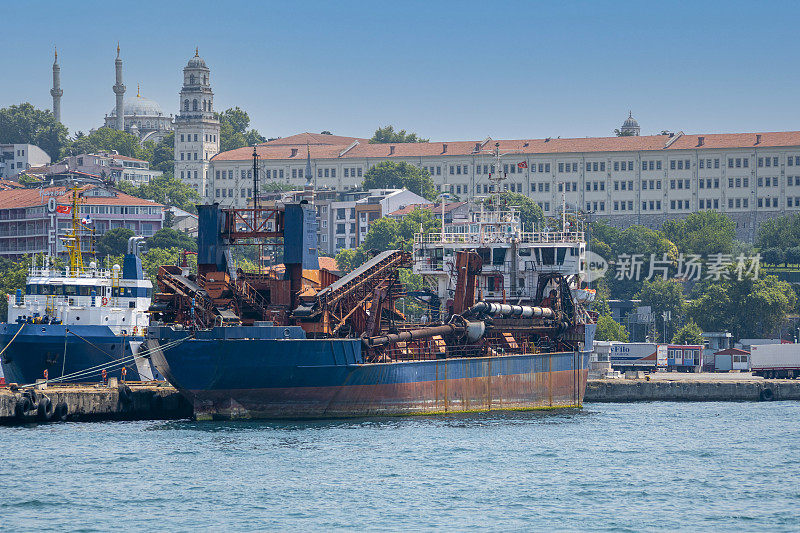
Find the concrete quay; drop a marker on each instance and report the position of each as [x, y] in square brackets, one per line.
[90, 402]
[674, 387]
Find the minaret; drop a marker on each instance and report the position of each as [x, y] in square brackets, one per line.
[119, 90]
[56, 91]
[308, 189]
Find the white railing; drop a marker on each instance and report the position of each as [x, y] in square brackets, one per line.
[41, 272]
[538, 237]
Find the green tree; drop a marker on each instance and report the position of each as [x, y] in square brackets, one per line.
[29, 180]
[169, 190]
[793, 255]
[348, 259]
[114, 242]
[105, 140]
[644, 243]
[392, 174]
[780, 232]
[326, 132]
[663, 295]
[620, 133]
[157, 257]
[774, 255]
[704, 233]
[233, 132]
[530, 214]
[127, 187]
[170, 238]
[13, 275]
[382, 235]
[388, 135]
[609, 329]
[25, 124]
[747, 307]
[162, 155]
[690, 333]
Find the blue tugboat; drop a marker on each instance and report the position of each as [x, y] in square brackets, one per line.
[69, 324]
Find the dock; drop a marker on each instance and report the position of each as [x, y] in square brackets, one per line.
[677, 387]
[93, 402]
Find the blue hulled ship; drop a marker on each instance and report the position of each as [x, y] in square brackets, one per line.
[297, 341]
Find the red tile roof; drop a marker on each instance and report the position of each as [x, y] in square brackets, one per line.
[313, 139]
[436, 208]
[21, 198]
[328, 263]
[337, 147]
[8, 184]
[125, 158]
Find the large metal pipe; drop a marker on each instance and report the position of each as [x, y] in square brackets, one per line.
[422, 333]
[495, 309]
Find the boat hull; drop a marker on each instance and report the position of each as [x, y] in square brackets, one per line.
[40, 347]
[306, 378]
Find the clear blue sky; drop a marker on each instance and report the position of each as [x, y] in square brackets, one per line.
[447, 70]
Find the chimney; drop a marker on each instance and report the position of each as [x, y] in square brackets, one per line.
[758, 138]
[444, 148]
[701, 140]
[391, 150]
[477, 147]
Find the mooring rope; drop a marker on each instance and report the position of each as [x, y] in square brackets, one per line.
[12, 338]
[109, 365]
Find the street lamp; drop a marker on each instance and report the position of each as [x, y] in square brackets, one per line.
[443, 196]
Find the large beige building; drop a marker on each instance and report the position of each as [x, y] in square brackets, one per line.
[622, 180]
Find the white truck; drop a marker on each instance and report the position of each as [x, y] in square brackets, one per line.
[775, 360]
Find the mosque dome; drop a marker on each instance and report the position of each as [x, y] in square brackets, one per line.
[630, 122]
[139, 106]
[196, 61]
[630, 126]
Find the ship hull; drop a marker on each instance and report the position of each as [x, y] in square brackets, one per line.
[67, 350]
[294, 379]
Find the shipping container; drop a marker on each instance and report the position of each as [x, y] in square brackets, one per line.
[633, 356]
[775, 360]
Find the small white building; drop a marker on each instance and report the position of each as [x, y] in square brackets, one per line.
[107, 165]
[17, 158]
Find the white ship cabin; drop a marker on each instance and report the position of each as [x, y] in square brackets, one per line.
[512, 258]
[116, 297]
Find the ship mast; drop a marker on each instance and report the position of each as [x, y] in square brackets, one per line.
[73, 239]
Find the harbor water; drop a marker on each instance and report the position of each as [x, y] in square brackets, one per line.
[608, 467]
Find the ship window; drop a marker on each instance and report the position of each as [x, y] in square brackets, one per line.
[548, 256]
[499, 256]
[70, 290]
[561, 253]
[485, 254]
[525, 252]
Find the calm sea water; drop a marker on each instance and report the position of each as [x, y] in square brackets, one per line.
[612, 467]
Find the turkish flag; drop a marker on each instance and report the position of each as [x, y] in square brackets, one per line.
[522, 164]
[67, 209]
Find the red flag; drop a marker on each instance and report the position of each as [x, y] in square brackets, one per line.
[64, 209]
[522, 164]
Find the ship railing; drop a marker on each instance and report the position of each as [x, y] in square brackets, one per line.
[488, 238]
[43, 272]
[427, 350]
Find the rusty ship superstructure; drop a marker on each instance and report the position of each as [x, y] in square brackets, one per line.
[303, 342]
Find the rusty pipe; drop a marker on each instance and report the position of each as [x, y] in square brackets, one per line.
[422, 333]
